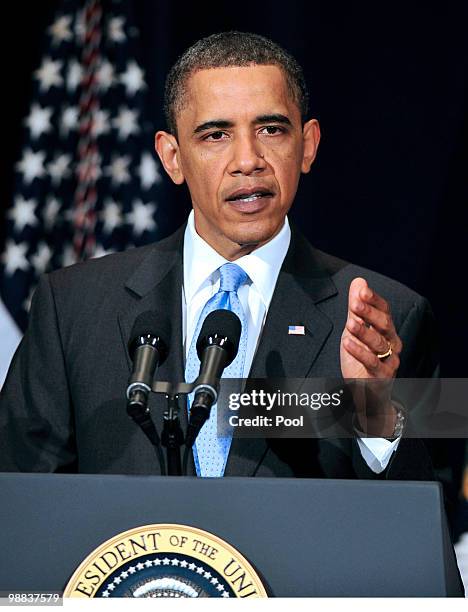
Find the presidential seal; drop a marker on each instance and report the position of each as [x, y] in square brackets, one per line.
[165, 560]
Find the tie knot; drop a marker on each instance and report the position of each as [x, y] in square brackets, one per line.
[232, 277]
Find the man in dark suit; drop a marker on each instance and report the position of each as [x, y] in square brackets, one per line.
[237, 134]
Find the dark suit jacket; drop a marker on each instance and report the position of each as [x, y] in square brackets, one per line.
[63, 407]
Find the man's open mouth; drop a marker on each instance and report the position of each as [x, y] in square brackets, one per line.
[249, 196]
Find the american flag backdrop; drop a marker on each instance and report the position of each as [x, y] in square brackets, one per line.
[88, 181]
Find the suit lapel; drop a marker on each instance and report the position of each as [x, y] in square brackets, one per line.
[156, 285]
[302, 284]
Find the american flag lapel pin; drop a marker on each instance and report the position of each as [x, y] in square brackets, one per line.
[296, 330]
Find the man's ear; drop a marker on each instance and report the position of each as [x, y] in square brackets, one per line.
[167, 148]
[311, 136]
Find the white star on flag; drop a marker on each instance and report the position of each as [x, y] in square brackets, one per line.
[141, 218]
[38, 120]
[60, 30]
[60, 168]
[126, 123]
[115, 29]
[14, 257]
[148, 171]
[50, 212]
[68, 256]
[74, 75]
[133, 78]
[118, 169]
[80, 28]
[31, 165]
[71, 215]
[69, 119]
[22, 213]
[101, 123]
[100, 251]
[40, 259]
[111, 216]
[48, 74]
[105, 75]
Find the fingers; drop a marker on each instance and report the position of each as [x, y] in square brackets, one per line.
[368, 307]
[381, 320]
[370, 329]
[375, 366]
[368, 336]
[365, 304]
[374, 299]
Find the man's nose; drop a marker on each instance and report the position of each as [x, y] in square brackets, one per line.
[247, 156]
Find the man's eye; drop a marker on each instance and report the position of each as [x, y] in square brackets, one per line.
[215, 136]
[272, 130]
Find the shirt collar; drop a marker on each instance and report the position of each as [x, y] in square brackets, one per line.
[262, 265]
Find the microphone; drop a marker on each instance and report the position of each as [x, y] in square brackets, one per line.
[217, 347]
[148, 350]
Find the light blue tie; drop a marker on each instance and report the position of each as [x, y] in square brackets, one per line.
[210, 451]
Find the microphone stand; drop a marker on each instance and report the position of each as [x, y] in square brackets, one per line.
[172, 436]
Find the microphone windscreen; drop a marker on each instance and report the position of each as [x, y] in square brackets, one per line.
[221, 323]
[150, 322]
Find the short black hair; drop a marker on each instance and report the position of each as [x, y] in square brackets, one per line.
[231, 49]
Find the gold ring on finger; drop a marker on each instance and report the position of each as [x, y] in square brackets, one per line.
[388, 352]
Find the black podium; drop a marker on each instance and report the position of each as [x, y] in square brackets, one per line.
[305, 537]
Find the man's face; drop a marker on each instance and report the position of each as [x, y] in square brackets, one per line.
[241, 148]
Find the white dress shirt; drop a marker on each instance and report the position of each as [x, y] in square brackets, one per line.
[201, 282]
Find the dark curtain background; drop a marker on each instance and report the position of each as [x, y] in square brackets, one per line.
[388, 83]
